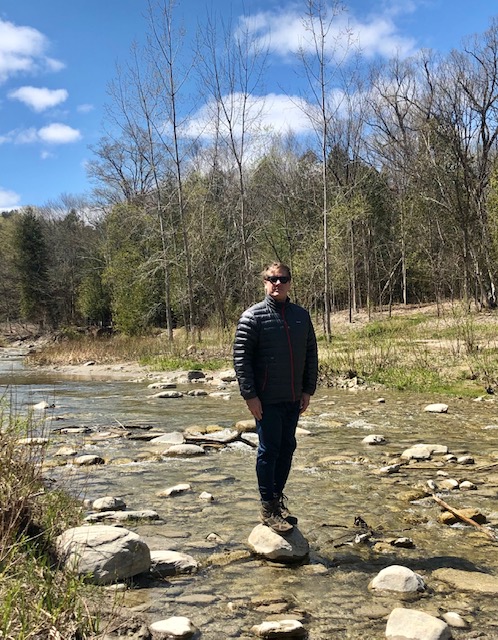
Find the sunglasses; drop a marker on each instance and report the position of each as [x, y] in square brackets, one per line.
[275, 279]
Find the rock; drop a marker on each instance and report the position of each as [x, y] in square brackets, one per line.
[446, 517]
[89, 363]
[279, 629]
[466, 485]
[41, 406]
[133, 516]
[302, 432]
[438, 407]
[373, 439]
[245, 426]
[265, 542]
[220, 394]
[162, 385]
[208, 497]
[174, 491]
[183, 451]
[389, 469]
[423, 451]
[65, 452]
[455, 620]
[88, 460]
[407, 624]
[397, 578]
[465, 460]
[168, 394]
[195, 375]
[175, 437]
[470, 581]
[174, 627]
[227, 376]
[197, 393]
[223, 436]
[108, 503]
[103, 554]
[170, 563]
[450, 484]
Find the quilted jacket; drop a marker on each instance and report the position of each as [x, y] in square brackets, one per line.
[275, 352]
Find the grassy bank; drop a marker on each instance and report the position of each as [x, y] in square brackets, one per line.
[446, 349]
[37, 600]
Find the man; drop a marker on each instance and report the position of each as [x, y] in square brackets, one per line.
[276, 363]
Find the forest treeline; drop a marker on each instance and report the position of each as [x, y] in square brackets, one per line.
[391, 198]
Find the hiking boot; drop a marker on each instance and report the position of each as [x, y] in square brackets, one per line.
[271, 517]
[284, 510]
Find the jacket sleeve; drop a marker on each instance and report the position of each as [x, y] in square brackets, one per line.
[246, 340]
[310, 375]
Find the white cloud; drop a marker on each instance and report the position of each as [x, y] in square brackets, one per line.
[55, 133]
[285, 33]
[8, 199]
[39, 98]
[58, 133]
[22, 50]
[85, 108]
[278, 113]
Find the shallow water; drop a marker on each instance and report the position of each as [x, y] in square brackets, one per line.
[332, 481]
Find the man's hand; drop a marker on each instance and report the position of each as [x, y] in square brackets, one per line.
[305, 401]
[254, 406]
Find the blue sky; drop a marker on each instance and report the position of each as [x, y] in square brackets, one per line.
[58, 56]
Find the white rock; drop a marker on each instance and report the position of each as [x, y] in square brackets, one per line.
[170, 563]
[174, 627]
[408, 624]
[88, 460]
[33, 441]
[466, 485]
[182, 487]
[265, 542]
[175, 437]
[162, 385]
[279, 629]
[183, 451]
[108, 503]
[437, 407]
[450, 484]
[132, 516]
[65, 452]
[397, 578]
[302, 432]
[208, 497]
[373, 438]
[455, 620]
[388, 469]
[168, 394]
[465, 460]
[43, 405]
[104, 554]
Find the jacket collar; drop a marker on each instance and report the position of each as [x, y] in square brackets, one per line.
[278, 306]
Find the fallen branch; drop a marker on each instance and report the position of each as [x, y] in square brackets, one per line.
[464, 518]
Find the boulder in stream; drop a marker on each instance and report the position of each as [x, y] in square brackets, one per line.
[103, 554]
[408, 624]
[272, 546]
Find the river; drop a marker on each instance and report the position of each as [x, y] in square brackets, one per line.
[334, 479]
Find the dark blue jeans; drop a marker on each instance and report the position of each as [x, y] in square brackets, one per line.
[277, 443]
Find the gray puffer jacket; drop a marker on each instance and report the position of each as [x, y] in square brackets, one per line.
[275, 352]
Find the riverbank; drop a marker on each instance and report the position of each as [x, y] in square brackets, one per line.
[446, 349]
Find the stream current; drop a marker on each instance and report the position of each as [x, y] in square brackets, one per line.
[334, 479]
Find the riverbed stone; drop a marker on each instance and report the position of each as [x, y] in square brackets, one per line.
[33, 441]
[197, 393]
[437, 407]
[408, 624]
[168, 394]
[446, 517]
[108, 503]
[174, 437]
[169, 563]
[223, 436]
[397, 578]
[195, 375]
[102, 553]
[279, 629]
[183, 451]
[88, 460]
[162, 385]
[265, 542]
[174, 627]
[423, 451]
[454, 619]
[177, 489]
[471, 581]
[245, 426]
[65, 452]
[373, 438]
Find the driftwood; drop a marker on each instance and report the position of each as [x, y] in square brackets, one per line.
[464, 518]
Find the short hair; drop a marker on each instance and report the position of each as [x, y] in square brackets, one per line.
[276, 266]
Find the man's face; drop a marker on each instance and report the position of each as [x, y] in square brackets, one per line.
[277, 289]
